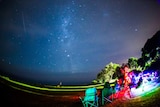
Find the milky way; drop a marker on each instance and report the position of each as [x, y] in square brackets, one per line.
[72, 40]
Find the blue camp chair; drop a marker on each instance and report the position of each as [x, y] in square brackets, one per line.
[90, 99]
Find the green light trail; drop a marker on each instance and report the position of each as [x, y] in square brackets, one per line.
[50, 88]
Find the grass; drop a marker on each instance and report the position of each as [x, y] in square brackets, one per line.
[150, 99]
[65, 96]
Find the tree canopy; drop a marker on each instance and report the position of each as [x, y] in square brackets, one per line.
[150, 58]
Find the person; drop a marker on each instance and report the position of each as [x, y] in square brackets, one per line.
[106, 92]
[60, 84]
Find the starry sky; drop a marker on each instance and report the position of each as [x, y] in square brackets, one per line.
[72, 40]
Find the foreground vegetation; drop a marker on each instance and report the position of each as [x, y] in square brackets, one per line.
[151, 99]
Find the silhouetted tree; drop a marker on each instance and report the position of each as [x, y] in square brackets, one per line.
[150, 51]
[151, 44]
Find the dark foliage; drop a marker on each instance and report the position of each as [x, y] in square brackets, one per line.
[150, 49]
[152, 43]
[155, 65]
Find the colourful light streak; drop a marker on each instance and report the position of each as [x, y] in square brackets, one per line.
[141, 84]
[14, 83]
[144, 89]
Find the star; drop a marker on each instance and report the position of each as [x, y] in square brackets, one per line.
[68, 55]
[86, 60]
[135, 30]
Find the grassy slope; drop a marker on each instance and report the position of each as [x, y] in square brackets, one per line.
[15, 94]
[10, 97]
[151, 99]
[16, 97]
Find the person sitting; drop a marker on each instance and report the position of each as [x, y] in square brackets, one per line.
[106, 92]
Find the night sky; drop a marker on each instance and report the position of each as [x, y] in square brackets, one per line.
[72, 40]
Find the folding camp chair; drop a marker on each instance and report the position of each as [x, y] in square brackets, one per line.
[90, 99]
[106, 92]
